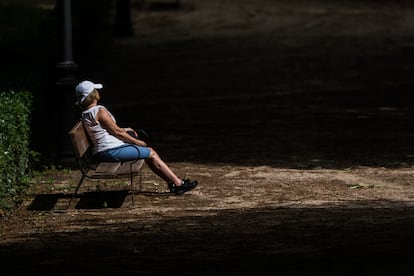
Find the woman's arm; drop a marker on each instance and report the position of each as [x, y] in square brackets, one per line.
[106, 121]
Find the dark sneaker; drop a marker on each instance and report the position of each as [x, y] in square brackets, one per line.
[185, 187]
[171, 186]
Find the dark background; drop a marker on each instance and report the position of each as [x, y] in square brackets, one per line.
[289, 84]
[315, 84]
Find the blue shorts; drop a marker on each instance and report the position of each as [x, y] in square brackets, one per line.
[127, 152]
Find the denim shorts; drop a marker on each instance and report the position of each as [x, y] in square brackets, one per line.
[127, 152]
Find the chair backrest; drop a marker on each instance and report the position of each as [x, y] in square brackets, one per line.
[79, 140]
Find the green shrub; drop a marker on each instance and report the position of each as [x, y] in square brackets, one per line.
[14, 145]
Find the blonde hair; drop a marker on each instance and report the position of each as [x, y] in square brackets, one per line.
[89, 99]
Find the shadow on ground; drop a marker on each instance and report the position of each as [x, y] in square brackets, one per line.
[87, 200]
[359, 240]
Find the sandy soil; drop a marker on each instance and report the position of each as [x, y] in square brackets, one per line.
[294, 116]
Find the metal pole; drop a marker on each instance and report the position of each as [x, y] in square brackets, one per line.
[67, 64]
[65, 85]
[67, 30]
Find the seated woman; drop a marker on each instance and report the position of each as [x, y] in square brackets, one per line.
[113, 143]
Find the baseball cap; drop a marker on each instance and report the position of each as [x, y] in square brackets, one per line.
[84, 88]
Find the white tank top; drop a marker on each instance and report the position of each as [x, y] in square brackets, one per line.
[102, 140]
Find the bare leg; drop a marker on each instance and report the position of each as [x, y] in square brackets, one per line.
[161, 169]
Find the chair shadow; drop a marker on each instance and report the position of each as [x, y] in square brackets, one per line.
[46, 202]
[86, 200]
[101, 199]
[149, 193]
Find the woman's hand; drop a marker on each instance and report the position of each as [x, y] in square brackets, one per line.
[134, 134]
[128, 129]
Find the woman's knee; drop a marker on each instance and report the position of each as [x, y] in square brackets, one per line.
[153, 154]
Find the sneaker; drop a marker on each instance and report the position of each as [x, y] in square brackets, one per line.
[185, 187]
[171, 186]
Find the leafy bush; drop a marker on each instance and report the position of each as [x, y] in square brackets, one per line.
[15, 109]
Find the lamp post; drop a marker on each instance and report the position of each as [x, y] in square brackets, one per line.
[65, 84]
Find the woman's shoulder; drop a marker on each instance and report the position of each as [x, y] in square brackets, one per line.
[94, 108]
[101, 107]
[92, 111]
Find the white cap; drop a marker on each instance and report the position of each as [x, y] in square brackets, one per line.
[84, 88]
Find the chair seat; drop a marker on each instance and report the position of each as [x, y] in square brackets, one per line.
[117, 169]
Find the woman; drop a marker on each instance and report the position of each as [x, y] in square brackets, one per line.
[112, 143]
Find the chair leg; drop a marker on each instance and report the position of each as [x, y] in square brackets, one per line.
[140, 180]
[131, 175]
[77, 189]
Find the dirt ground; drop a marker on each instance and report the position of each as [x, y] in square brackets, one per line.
[294, 116]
